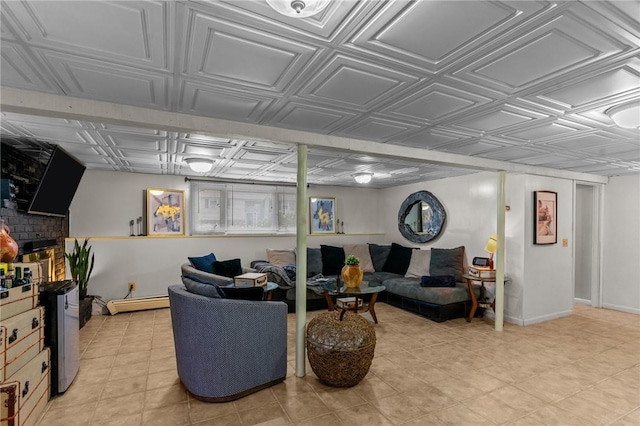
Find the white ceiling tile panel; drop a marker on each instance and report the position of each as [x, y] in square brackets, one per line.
[239, 54]
[309, 117]
[87, 78]
[430, 35]
[598, 88]
[581, 142]
[562, 42]
[505, 117]
[17, 69]
[472, 147]
[354, 82]
[376, 129]
[434, 102]
[546, 131]
[511, 154]
[212, 101]
[130, 32]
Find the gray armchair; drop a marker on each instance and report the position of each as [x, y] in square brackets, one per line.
[227, 349]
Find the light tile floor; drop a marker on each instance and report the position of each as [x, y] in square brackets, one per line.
[579, 370]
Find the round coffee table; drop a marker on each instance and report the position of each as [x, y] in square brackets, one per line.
[357, 292]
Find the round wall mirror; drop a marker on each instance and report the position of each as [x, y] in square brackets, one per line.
[421, 217]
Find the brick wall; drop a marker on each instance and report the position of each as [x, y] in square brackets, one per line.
[28, 227]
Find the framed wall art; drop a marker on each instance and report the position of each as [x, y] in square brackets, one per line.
[165, 212]
[545, 230]
[322, 215]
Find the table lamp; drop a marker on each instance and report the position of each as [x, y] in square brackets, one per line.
[491, 247]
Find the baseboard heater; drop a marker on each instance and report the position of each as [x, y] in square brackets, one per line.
[137, 304]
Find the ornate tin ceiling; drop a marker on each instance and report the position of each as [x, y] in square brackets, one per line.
[518, 81]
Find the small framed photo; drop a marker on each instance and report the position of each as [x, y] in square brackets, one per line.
[322, 215]
[165, 212]
[545, 204]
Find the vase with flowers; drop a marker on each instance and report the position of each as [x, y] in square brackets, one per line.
[351, 272]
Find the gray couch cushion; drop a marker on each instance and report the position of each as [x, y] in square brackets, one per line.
[379, 255]
[203, 289]
[410, 287]
[447, 262]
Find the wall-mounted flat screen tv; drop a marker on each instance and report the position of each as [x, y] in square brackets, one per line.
[58, 185]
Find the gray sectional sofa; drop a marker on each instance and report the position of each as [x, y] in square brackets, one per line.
[391, 266]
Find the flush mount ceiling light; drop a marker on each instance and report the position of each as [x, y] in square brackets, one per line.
[298, 8]
[363, 177]
[199, 165]
[627, 115]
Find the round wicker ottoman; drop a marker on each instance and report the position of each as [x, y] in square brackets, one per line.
[340, 352]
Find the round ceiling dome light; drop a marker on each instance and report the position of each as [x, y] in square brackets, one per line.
[363, 178]
[626, 115]
[199, 165]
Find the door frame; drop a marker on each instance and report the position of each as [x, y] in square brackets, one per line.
[597, 237]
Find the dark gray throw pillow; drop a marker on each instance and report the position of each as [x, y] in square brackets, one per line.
[332, 260]
[398, 260]
[314, 261]
[438, 281]
[203, 289]
[379, 255]
[447, 262]
[228, 268]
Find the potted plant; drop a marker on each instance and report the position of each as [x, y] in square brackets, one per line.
[351, 272]
[79, 265]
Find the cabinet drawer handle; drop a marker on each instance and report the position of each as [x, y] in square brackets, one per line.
[35, 323]
[44, 366]
[26, 288]
[25, 391]
[4, 294]
[14, 336]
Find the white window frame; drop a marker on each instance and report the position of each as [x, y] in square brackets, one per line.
[229, 212]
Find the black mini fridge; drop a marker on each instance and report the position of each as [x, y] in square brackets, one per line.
[61, 331]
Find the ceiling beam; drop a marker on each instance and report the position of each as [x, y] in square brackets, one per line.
[59, 106]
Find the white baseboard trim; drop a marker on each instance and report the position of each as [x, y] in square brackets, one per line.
[544, 318]
[626, 309]
[137, 304]
[582, 301]
[511, 320]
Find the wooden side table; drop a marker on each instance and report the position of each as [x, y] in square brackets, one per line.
[482, 303]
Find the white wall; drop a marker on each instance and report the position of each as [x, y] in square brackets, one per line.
[106, 201]
[548, 269]
[621, 267]
[469, 202]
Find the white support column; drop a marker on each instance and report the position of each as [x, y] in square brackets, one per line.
[301, 260]
[500, 257]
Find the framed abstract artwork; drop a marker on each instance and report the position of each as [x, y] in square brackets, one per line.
[322, 215]
[165, 212]
[545, 229]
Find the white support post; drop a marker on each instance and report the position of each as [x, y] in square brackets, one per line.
[301, 261]
[500, 257]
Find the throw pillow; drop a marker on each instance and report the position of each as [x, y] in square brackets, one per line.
[281, 257]
[245, 293]
[203, 263]
[419, 265]
[228, 268]
[203, 289]
[314, 261]
[332, 260]
[361, 251]
[398, 259]
[438, 281]
[379, 255]
[447, 262]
